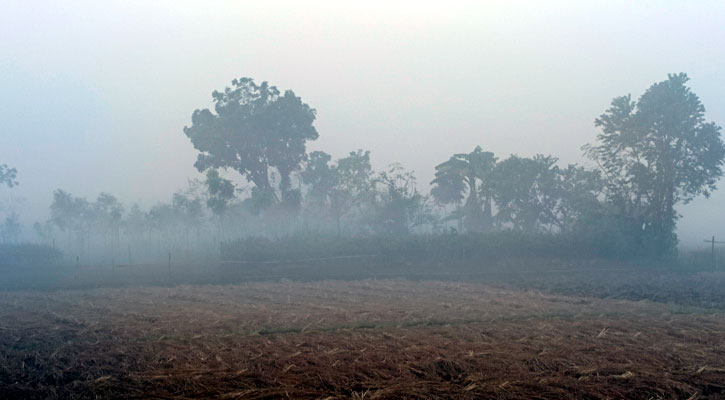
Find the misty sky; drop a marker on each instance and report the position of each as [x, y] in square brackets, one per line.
[95, 94]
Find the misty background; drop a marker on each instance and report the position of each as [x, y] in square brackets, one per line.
[95, 95]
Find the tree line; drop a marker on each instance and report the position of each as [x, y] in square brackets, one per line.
[652, 154]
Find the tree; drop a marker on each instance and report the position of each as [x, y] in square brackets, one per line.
[8, 175]
[10, 229]
[45, 232]
[580, 191]
[188, 210]
[321, 178]
[527, 192]
[135, 225]
[220, 192]
[466, 175]
[339, 188]
[108, 213]
[70, 213]
[655, 153]
[254, 128]
[398, 206]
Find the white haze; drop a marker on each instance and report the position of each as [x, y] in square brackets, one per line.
[95, 94]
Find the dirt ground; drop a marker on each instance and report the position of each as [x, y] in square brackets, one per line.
[370, 339]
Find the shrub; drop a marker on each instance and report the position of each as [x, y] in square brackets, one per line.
[433, 248]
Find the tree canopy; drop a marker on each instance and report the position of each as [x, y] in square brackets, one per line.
[657, 152]
[254, 128]
[220, 192]
[340, 188]
[467, 175]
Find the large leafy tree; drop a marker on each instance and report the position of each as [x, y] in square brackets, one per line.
[465, 176]
[657, 152]
[253, 129]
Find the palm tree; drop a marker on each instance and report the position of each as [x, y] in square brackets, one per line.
[467, 175]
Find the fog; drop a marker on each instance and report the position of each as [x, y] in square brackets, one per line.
[390, 199]
[95, 95]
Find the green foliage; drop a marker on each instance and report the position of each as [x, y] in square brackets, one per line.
[255, 128]
[526, 191]
[68, 212]
[320, 176]
[342, 189]
[655, 153]
[397, 206]
[260, 200]
[467, 175]
[220, 192]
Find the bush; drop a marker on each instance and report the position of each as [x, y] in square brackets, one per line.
[434, 248]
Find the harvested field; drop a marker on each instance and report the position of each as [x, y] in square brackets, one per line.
[364, 340]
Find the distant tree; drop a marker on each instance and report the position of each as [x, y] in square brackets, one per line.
[8, 175]
[135, 224]
[188, 211]
[220, 192]
[467, 175]
[108, 214]
[527, 192]
[398, 206]
[320, 177]
[71, 214]
[10, 229]
[161, 217]
[254, 128]
[341, 188]
[655, 153]
[44, 231]
[580, 192]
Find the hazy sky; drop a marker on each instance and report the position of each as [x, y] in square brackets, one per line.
[95, 94]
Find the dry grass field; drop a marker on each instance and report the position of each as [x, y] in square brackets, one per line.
[368, 339]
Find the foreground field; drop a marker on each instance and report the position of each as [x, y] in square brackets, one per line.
[365, 339]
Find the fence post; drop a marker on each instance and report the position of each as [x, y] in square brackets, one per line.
[78, 266]
[169, 267]
[129, 255]
[714, 261]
